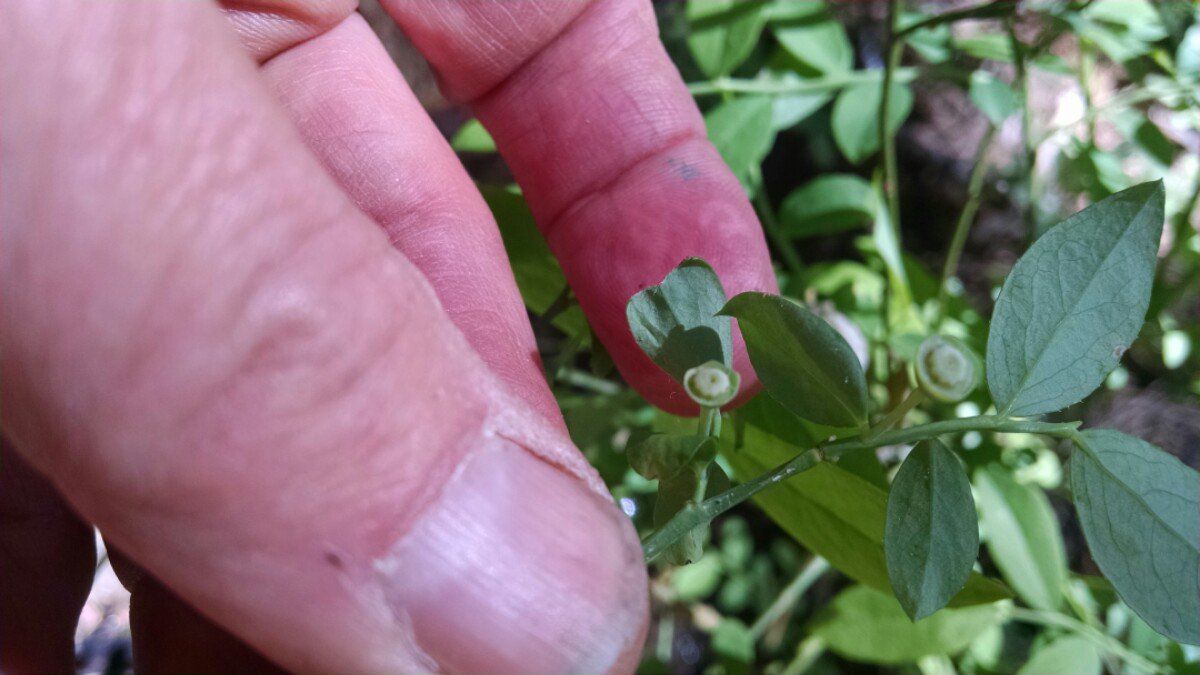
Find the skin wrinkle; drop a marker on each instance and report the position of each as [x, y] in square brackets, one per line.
[436, 217]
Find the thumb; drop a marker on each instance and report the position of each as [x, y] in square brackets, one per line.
[226, 367]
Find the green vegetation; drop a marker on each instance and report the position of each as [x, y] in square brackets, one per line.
[836, 518]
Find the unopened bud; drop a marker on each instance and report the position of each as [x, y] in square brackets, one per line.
[711, 384]
[947, 369]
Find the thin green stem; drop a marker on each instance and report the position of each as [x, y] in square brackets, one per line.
[887, 140]
[816, 85]
[561, 303]
[578, 378]
[709, 422]
[987, 10]
[771, 225]
[1086, 62]
[695, 515]
[1028, 153]
[898, 413]
[1107, 642]
[974, 196]
[787, 599]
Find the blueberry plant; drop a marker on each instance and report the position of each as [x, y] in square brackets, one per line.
[915, 487]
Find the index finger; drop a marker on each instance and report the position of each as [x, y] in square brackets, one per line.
[609, 148]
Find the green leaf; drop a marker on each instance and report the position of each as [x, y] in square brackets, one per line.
[675, 322]
[1138, 507]
[864, 624]
[664, 455]
[931, 537]
[902, 314]
[992, 96]
[856, 117]
[1067, 654]
[1145, 134]
[733, 640]
[722, 33]
[1022, 537]
[826, 205]
[1074, 303]
[803, 363]
[742, 132]
[815, 37]
[538, 275]
[789, 110]
[698, 581]
[674, 493]
[472, 137]
[1122, 29]
[829, 510]
[1187, 56]
[988, 46]
[933, 43]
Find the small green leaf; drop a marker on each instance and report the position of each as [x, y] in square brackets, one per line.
[1074, 303]
[932, 536]
[733, 640]
[902, 316]
[826, 205]
[538, 275]
[674, 494]
[722, 33]
[675, 322]
[472, 137]
[664, 455]
[1138, 507]
[864, 624]
[803, 363]
[932, 44]
[700, 580]
[1187, 56]
[856, 117]
[992, 96]
[742, 132]
[812, 35]
[1022, 536]
[988, 46]
[1067, 654]
[790, 109]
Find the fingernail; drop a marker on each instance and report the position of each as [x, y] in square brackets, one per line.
[519, 567]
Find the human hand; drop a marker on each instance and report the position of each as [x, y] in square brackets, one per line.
[259, 327]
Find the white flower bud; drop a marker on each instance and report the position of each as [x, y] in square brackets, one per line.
[947, 370]
[711, 384]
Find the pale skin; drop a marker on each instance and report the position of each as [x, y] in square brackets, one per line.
[258, 327]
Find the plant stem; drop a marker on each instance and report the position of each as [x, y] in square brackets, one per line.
[560, 304]
[1028, 152]
[816, 85]
[695, 515]
[771, 225]
[985, 11]
[898, 413]
[1101, 639]
[787, 599]
[709, 422]
[887, 139]
[1086, 61]
[587, 381]
[974, 195]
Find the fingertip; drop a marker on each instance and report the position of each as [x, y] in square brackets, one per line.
[519, 566]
